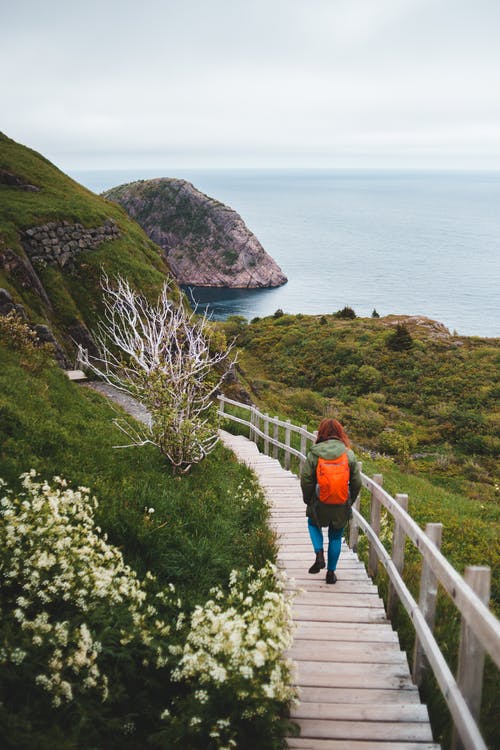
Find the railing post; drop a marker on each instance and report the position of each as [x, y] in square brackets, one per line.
[426, 601]
[398, 556]
[252, 422]
[353, 526]
[287, 443]
[471, 653]
[266, 433]
[276, 437]
[221, 404]
[375, 524]
[303, 446]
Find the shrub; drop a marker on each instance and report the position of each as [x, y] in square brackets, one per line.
[375, 314]
[401, 339]
[231, 662]
[368, 378]
[278, 313]
[234, 326]
[347, 313]
[395, 444]
[18, 335]
[73, 614]
[94, 656]
[162, 356]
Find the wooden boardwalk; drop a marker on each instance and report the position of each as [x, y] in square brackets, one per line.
[354, 684]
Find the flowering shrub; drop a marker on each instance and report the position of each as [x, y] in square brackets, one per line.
[232, 662]
[68, 599]
[18, 335]
[91, 648]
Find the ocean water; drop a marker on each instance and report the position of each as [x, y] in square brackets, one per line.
[416, 243]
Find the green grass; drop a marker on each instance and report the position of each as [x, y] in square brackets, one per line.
[200, 529]
[74, 295]
[433, 408]
[190, 531]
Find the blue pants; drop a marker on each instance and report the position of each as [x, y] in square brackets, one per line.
[334, 542]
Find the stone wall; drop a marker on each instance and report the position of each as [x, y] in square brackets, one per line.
[57, 243]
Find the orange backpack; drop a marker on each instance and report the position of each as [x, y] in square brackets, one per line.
[332, 475]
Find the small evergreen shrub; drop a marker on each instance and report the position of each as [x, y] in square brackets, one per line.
[401, 339]
[347, 313]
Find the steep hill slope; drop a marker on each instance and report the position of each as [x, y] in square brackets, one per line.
[56, 238]
[206, 242]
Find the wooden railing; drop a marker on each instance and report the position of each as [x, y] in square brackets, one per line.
[480, 629]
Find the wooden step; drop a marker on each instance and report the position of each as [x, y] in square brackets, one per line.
[354, 686]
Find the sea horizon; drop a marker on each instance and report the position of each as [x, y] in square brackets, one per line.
[400, 241]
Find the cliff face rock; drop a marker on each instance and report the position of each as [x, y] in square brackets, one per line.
[205, 242]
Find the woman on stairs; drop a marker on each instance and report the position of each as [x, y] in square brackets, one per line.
[330, 482]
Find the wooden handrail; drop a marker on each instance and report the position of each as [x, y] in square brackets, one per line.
[477, 618]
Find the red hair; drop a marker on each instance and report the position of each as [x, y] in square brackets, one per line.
[331, 429]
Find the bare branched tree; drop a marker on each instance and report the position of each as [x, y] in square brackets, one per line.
[161, 355]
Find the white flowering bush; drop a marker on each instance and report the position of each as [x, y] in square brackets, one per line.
[232, 661]
[71, 607]
[90, 648]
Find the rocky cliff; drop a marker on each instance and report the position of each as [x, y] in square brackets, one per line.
[206, 243]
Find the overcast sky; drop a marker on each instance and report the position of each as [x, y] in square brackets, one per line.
[257, 83]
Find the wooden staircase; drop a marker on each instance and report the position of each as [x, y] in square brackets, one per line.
[354, 684]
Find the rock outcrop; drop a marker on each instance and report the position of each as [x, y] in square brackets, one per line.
[205, 242]
[13, 180]
[419, 323]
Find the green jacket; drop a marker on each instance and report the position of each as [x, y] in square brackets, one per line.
[318, 512]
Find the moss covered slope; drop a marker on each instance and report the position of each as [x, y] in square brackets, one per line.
[33, 192]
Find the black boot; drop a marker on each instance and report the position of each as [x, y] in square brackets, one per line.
[319, 563]
[331, 577]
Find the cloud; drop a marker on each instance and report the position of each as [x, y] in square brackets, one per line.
[247, 82]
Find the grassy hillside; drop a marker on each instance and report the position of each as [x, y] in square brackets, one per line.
[190, 532]
[433, 406]
[74, 295]
[426, 417]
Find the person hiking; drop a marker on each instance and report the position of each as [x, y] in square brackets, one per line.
[330, 483]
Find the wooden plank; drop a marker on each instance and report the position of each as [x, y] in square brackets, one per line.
[304, 549]
[360, 730]
[308, 743]
[318, 674]
[76, 375]
[413, 712]
[330, 598]
[360, 633]
[302, 558]
[338, 614]
[320, 587]
[358, 696]
[346, 651]
[343, 574]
